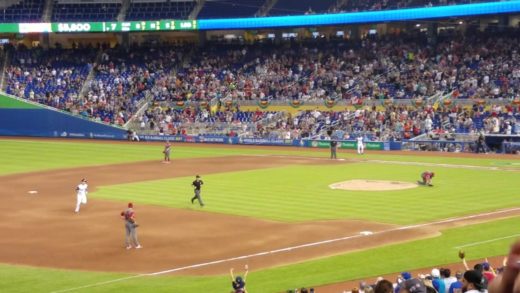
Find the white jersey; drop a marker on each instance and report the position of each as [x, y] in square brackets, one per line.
[82, 189]
[359, 140]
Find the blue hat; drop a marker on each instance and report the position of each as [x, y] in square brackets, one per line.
[239, 280]
[406, 275]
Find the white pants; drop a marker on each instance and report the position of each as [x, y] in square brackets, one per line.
[360, 148]
[81, 198]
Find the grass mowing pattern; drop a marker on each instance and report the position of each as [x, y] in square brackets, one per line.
[363, 264]
[47, 155]
[301, 193]
[40, 155]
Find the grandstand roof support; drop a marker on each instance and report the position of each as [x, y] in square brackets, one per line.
[124, 10]
[198, 7]
[264, 10]
[47, 11]
[432, 33]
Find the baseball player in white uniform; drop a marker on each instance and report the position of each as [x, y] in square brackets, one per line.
[360, 145]
[81, 194]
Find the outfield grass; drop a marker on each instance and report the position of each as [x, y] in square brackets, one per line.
[25, 155]
[19, 156]
[301, 193]
[357, 265]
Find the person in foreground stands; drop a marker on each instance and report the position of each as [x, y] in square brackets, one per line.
[413, 286]
[456, 287]
[509, 280]
[437, 282]
[447, 278]
[489, 272]
[238, 283]
[478, 267]
[473, 282]
[384, 286]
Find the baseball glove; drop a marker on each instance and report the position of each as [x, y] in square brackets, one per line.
[136, 225]
[462, 254]
[122, 214]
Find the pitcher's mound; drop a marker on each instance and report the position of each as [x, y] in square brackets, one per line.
[372, 185]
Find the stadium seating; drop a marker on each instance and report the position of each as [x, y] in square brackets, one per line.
[52, 77]
[85, 12]
[289, 7]
[379, 68]
[230, 9]
[153, 10]
[25, 11]
[374, 5]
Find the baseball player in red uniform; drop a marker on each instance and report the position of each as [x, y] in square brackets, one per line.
[130, 227]
[427, 178]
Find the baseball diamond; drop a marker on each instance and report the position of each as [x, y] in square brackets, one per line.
[260, 146]
[278, 218]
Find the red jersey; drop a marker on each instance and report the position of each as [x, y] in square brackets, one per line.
[427, 175]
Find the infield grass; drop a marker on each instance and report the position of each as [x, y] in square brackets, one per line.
[302, 193]
[362, 264]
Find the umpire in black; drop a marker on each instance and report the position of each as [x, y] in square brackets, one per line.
[333, 148]
[197, 184]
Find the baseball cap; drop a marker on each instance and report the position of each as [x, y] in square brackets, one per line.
[130, 205]
[414, 286]
[406, 275]
[436, 273]
[485, 265]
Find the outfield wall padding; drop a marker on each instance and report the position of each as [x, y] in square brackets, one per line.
[49, 123]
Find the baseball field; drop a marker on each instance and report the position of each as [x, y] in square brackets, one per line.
[290, 214]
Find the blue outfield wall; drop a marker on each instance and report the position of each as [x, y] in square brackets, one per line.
[48, 123]
[343, 144]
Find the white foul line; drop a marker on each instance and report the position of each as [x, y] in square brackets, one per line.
[486, 241]
[292, 248]
[409, 163]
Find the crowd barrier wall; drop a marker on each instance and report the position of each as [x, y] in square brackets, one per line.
[342, 144]
[48, 123]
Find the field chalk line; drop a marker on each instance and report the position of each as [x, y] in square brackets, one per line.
[410, 163]
[486, 241]
[281, 250]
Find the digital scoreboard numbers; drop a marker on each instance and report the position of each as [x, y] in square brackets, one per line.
[125, 26]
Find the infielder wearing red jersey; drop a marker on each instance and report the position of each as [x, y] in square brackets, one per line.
[427, 178]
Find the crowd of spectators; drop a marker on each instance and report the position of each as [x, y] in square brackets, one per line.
[475, 65]
[482, 277]
[53, 77]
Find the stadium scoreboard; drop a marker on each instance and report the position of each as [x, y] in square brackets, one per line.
[100, 27]
[125, 26]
